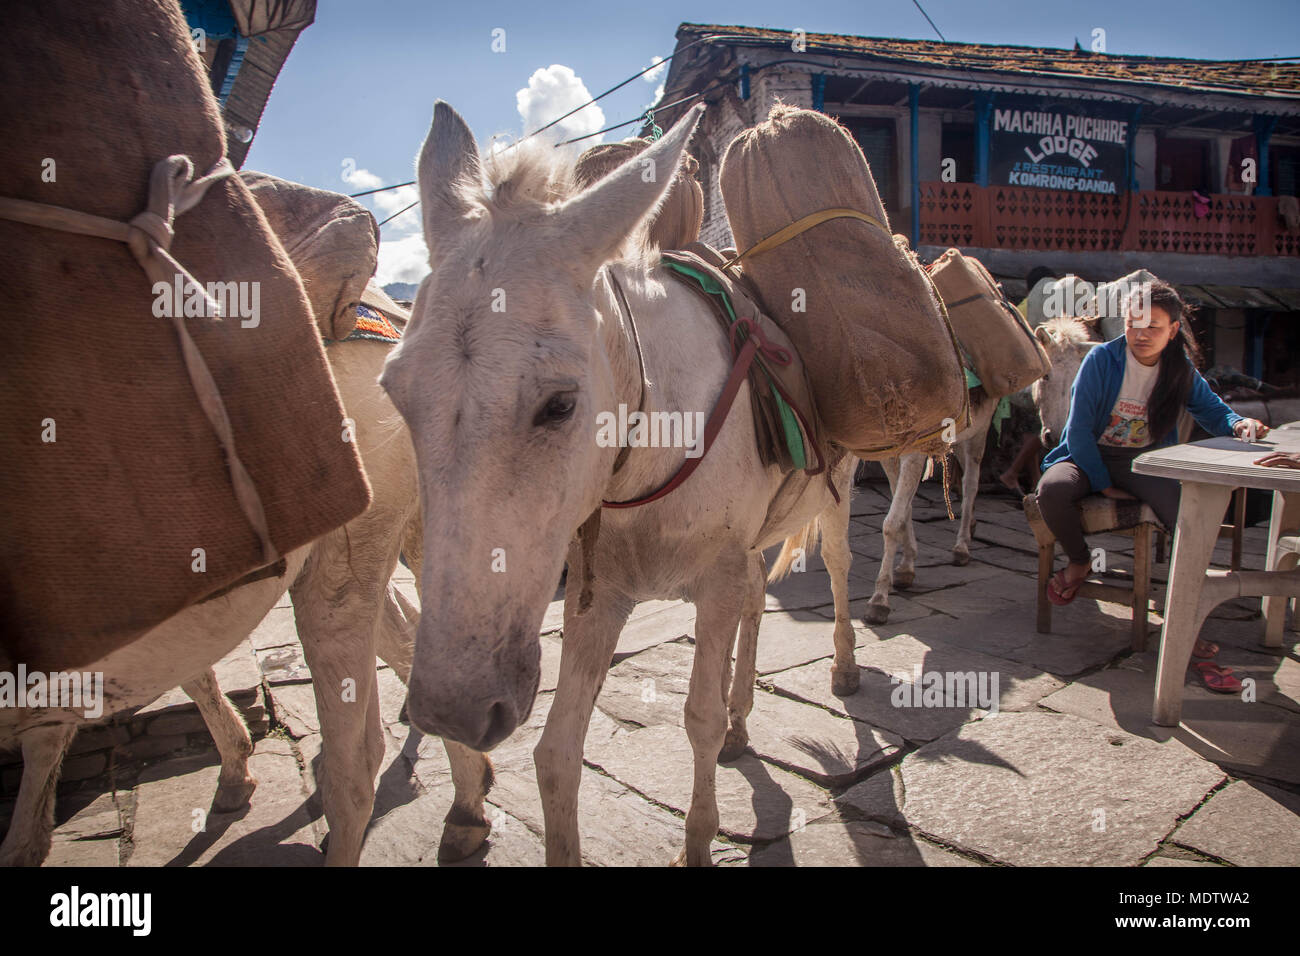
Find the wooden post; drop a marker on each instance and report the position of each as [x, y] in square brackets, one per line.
[1045, 555]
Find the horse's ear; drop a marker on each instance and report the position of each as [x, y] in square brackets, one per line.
[597, 220]
[448, 161]
[1043, 335]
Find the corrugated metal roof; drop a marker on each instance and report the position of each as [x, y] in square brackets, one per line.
[1272, 79]
[1241, 297]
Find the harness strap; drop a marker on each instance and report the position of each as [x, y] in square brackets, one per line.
[172, 190]
[803, 225]
[755, 342]
[619, 294]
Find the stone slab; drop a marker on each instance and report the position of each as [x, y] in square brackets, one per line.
[1246, 824]
[814, 743]
[756, 801]
[650, 688]
[275, 830]
[1040, 789]
[998, 592]
[831, 842]
[616, 826]
[1085, 635]
[278, 629]
[1249, 738]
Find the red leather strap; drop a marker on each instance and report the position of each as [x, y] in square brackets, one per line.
[755, 342]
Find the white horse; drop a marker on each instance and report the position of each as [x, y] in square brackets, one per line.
[518, 341]
[1067, 340]
[345, 609]
[905, 474]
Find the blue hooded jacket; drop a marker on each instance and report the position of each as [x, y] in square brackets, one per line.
[1093, 395]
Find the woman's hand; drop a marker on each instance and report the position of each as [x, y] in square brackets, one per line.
[1243, 426]
[1120, 493]
[1280, 459]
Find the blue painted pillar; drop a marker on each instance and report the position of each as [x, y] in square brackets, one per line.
[913, 105]
[1264, 126]
[818, 91]
[1256, 326]
[744, 81]
[983, 129]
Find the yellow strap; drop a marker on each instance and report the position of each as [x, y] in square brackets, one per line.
[803, 225]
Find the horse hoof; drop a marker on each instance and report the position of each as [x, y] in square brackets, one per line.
[845, 683]
[903, 580]
[683, 859]
[734, 746]
[961, 558]
[461, 840]
[876, 614]
[233, 796]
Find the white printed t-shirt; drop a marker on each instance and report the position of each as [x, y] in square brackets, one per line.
[1128, 418]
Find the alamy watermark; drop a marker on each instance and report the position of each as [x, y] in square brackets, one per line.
[242, 300]
[1120, 299]
[77, 690]
[651, 430]
[946, 689]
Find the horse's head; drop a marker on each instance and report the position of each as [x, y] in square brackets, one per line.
[500, 377]
[1066, 340]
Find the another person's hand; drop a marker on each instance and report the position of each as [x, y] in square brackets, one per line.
[1280, 459]
[1113, 492]
[1242, 426]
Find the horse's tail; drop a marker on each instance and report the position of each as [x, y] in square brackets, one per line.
[801, 544]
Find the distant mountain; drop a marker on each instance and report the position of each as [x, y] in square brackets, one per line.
[402, 291]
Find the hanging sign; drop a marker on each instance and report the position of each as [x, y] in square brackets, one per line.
[1075, 148]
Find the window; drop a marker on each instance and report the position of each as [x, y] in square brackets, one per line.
[1182, 164]
[958, 143]
[876, 138]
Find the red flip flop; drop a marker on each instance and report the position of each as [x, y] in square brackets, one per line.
[1216, 678]
[1060, 593]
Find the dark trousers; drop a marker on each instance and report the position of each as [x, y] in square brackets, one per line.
[1063, 484]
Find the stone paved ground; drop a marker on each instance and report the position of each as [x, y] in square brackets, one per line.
[1068, 772]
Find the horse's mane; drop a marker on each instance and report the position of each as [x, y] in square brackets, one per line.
[527, 179]
[1070, 330]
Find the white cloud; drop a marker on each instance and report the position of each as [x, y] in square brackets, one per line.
[402, 260]
[659, 67]
[363, 179]
[552, 92]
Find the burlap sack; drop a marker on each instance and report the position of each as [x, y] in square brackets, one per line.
[1112, 303]
[881, 359]
[332, 240]
[1007, 357]
[677, 224]
[1068, 295]
[117, 505]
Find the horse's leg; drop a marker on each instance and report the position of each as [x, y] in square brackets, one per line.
[911, 472]
[740, 700]
[838, 559]
[337, 601]
[718, 604]
[904, 475]
[972, 454]
[28, 841]
[585, 655]
[235, 785]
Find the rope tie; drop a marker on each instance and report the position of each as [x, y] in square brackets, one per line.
[775, 353]
[149, 235]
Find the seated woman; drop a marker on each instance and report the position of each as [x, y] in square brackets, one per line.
[1127, 399]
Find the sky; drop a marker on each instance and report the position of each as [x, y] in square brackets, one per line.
[356, 96]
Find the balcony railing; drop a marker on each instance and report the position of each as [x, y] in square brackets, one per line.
[1019, 217]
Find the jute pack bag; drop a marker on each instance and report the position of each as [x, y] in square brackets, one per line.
[1000, 343]
[677, 224]
[332, 240]
[1113, 301]
[119, 503]
[880, 356]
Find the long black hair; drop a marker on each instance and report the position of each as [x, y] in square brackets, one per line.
[1178, 363]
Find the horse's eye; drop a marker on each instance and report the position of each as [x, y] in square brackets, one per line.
[558, 408]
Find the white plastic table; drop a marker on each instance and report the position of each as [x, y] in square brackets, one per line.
[1209, 471]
